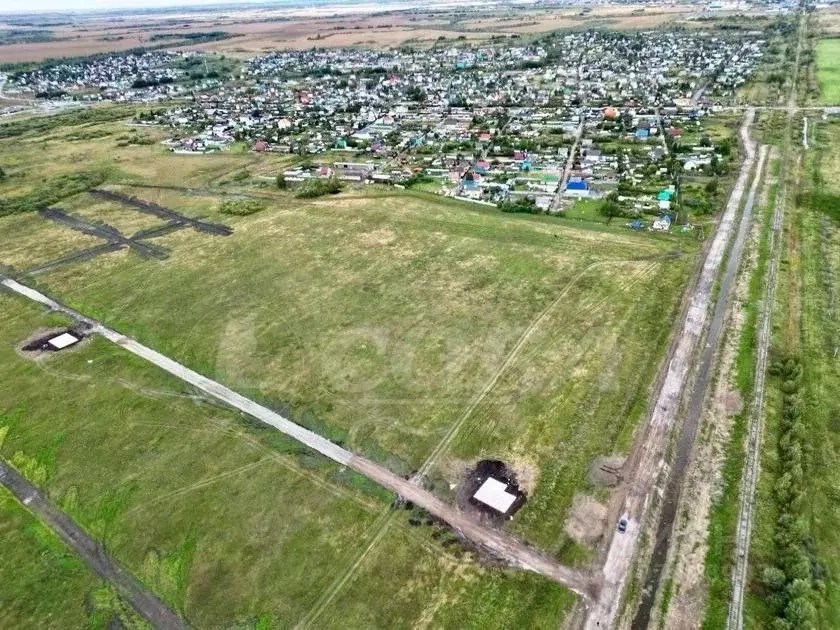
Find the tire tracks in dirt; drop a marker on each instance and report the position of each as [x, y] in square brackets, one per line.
[647, 456]
[381, 524]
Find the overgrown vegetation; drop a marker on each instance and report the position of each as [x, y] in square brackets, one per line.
[794, 580]
[241, 207]
[197, 37]
[81, 116]
[312, 188]
[523, 204]
[51, 191]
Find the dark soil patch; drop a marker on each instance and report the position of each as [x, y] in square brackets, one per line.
[605, 471]
[473, 481]
[37, 346]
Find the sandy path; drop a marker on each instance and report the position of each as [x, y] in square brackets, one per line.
[93, 554]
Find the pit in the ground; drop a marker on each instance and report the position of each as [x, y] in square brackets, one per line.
[490, 492]
[46, 342]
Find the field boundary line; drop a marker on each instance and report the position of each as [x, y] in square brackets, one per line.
[342, 579]
[449, 436]
[380, 526]
[198, 485]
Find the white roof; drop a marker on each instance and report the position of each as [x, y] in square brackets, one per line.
[62, 341]
[494, 493]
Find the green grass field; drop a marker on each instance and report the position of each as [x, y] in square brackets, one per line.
[806, 328]
[828, 71]
[228, 522]
[43, 584]
[375, 318]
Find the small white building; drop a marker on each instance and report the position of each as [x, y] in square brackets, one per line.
[64, 340]
[493, 493]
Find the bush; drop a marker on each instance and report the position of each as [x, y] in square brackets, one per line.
[241, 207]
[793, 578]
[523, 205]
[312, 188]
[42, 124]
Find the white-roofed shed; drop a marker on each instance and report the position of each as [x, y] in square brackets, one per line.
[64, 340]
[494, 494]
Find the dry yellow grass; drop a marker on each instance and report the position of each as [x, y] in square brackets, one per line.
[259, 32]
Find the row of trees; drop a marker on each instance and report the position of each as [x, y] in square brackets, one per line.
[794, 580]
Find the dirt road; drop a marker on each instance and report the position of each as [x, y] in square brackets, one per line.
[648, 458]
[570, 162]
[697, 401]
[500, 544]
[93, 554]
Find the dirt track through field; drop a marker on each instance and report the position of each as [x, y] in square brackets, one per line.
[647, 458]
[90, 551]
[160, 212]
[502, 545]
[103, 231]
[685, 444]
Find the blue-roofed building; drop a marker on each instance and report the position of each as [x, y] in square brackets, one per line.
[577, 188]
[642, 134]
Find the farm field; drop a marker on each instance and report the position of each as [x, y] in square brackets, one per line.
[828, 70]
[378, 318]
[806, 332]
[208, 509]
[257, 32]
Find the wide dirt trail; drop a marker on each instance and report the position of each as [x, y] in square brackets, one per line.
[648, 457]
[91, 552]
[752, 463]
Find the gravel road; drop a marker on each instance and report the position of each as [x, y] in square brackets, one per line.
[743, 531]
[648, 460]
[93, 554]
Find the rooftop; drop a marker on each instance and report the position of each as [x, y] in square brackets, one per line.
[494, 493]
